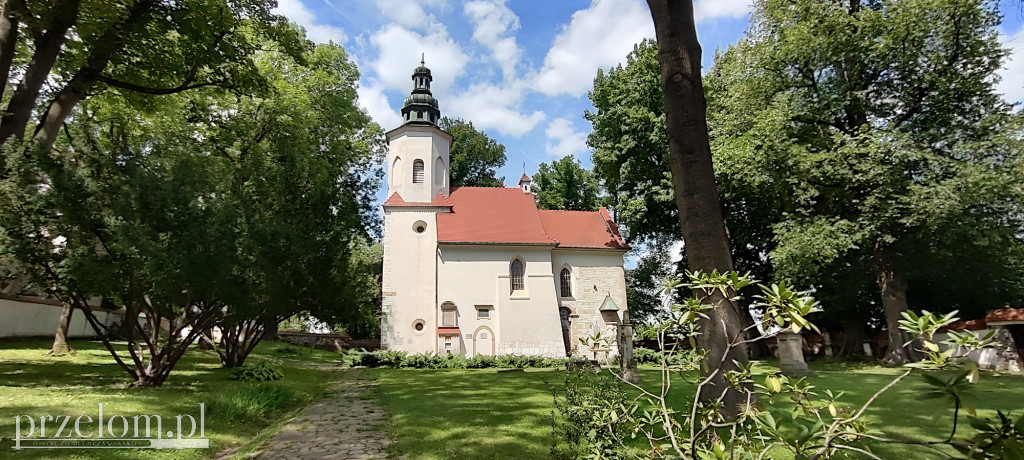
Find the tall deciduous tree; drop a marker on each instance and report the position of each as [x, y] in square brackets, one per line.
[144, 46]
[565, 184]
[475, 157]
[876, 127]
[630, 153]
[696, 194]
[201, 208]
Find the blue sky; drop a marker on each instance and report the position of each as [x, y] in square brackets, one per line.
[520, 69]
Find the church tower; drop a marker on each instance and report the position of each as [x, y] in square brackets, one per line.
[418, 186]
[418, 167]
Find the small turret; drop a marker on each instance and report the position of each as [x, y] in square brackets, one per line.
[421, 107]
[524, 183]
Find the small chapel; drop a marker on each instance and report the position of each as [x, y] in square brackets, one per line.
[481, 270]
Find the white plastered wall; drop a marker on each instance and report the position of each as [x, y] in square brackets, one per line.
[408, 281]
[30, 319]
[527, 323]
[415, 142]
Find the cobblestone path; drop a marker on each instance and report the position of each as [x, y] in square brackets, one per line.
[345, 424]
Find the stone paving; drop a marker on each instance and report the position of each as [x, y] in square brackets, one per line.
[345, 424]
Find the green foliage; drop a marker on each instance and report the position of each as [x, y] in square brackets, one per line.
[252, 403]
[853, 138]
[260, 372]
[187, 205]
[589, 419]
[565, 185]
[630, 147]
[996, 439]
[474, 157]
[399, 359]
[814, 425]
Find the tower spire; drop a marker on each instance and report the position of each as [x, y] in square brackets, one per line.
[421, 107]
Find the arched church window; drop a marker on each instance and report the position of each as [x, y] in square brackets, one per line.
[417, 172]
[396, 171]
[566, 278]
[516, 275]
[439, 172]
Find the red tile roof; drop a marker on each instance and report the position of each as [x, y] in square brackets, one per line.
[447, 331]
[582, 229]
[1005, 315]
[524, 178]
[509, 216]
[491, 215]
[438, 201]
[965, 325]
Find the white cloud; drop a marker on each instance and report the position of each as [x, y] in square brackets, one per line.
[372, 98]
[567, 141]
[320, 33]
[408, 13]
[399, 53]
[495, 107]
[1012, 73]
[714, 9]
[598, 36]
[493, 24]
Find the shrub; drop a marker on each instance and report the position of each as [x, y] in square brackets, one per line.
[399, 359]
[287, 350]
[259, 372]
[253, 402]
[585, 422]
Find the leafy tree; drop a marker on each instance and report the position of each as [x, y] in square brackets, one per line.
[876, 129]
[145, 46]
[475, 157]
[630, 151]
[696, 195]
[201, 209]
[565, 184]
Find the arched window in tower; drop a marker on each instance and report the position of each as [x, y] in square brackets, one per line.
[439, 172]
[515, 275]
[566, 279]
[417, 172]
[396, 171]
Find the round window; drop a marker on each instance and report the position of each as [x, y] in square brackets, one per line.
[418, 326]
[419, 226]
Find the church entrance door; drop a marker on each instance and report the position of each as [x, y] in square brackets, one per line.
[483, 341]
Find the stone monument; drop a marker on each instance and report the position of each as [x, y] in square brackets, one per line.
[791, 354]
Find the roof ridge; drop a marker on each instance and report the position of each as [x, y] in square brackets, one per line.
[568, 210]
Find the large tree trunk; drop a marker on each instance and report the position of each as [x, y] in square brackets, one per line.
[9, 23]
[894, 302]
[60, 339]
[47, 47]
[693, 180]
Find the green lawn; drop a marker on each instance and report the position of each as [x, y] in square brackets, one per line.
[32, 383]
[441, 414]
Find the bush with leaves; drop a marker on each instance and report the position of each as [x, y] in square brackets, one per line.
[814, 427]
[586, 423]
[259, 372]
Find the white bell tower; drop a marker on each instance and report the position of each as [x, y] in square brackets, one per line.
[418, 163]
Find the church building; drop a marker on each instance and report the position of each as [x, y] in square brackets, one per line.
[481, 270]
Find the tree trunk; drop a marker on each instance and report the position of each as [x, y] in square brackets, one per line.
[853, 335]
[9, 23]
[47, 47]
[60, 340]
[693, 180]
[104, 49]
[894, 302]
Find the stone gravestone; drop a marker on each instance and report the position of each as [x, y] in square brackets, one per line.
[791, 354]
